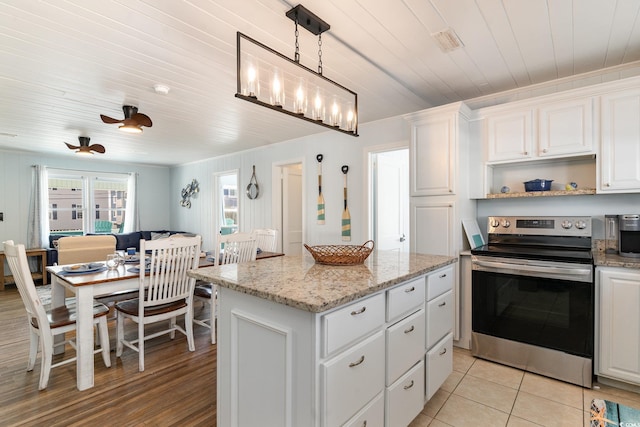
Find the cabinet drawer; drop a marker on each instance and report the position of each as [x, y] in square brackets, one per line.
[371, 415]
[352, 322]
[352, 379]
[405, 345]
[439, 282]
[439, 365]
[405, 398]
[439, 318]
[404, 298]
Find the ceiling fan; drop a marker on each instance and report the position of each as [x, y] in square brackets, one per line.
[84, 147]
[132, 122]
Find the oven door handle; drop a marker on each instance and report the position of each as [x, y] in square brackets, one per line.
[533, 268]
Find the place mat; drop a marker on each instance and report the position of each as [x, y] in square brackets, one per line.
[608, 414]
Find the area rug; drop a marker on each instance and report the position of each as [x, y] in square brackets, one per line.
[609, 414]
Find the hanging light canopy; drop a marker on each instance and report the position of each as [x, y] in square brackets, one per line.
[268, 78]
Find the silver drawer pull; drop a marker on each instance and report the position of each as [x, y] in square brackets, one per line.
[411, 289]
[406, 331]
[352, 364]
[356, 312]
[407, 387]
[442, 276]
[442, 304]
[444, 350]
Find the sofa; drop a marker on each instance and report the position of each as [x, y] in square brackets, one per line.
[123, 241]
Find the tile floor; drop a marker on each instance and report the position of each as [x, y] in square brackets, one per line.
[482, 393]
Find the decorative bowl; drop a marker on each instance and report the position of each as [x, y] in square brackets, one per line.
[538, 185]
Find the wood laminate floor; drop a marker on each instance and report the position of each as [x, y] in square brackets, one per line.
[178, 387]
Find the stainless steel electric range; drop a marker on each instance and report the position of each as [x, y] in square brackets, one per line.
[533, 296]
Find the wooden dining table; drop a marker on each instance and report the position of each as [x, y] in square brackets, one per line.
[87, 286]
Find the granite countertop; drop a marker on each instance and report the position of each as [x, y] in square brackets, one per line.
[602, 259]
[299, 282]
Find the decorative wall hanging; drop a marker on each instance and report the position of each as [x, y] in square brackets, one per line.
[320, 196]
[191, 190]
[346, 216]
[253, 190]
[270, 79]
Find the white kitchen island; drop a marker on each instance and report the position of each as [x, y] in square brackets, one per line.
[303, 344]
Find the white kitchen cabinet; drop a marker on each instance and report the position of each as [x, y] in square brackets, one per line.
[439, 365]
[509, 135]
[405, 345]
[372, 415]
[618, 324]
[433, 228]
[620, 151]
[437, 137]
[565, 127]
[405, 398]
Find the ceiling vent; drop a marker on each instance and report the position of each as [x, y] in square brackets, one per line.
[447, 40]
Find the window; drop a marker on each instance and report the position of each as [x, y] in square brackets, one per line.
[70, 192]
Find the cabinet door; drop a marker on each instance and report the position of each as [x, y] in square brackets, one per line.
[439, 318]
[565, 128]
[432, 227]
[620, 150]
[405, 398]
[405, 345]
[433, 156]
[439, 364]
[619, 328]
[509, 135]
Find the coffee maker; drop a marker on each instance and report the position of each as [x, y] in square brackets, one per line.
[629, 235]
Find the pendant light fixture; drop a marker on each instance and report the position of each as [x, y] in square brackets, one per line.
[268, 78]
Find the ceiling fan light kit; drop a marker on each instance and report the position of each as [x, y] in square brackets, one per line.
[84, 148]
[268, 78]
[132, 122]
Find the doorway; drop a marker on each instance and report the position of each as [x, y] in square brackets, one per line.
[226, 209]
[389, 198]
[288, 207]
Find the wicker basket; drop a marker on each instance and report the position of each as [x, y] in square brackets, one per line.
[340, 254]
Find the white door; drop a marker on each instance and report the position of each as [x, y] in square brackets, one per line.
[292, 210]
[391, 200]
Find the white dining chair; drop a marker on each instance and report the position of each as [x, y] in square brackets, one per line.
[165, 292]
[46, 322]
[238, 247]
[267, 239]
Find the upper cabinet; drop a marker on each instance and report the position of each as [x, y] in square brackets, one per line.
[566, 128]
[620, 150]
[435, 134]
[509, 135]
[549, 129]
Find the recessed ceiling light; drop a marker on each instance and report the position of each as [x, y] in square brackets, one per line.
[161, 89]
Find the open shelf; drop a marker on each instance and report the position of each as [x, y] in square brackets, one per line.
[553, 193]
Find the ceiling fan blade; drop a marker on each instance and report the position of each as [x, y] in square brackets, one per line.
[142, 119]
[107, 119]
[98, 148]
[72, 147]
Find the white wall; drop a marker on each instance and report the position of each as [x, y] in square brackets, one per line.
[338, 149]
[15, 189]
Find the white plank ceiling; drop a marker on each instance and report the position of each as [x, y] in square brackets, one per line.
[65, 62]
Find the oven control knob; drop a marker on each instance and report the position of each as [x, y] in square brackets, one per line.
[506, 223]
[494, 223]
[566, 224]
[581, 225]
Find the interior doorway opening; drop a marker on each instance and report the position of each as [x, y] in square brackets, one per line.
[389, 198]
[288, 206]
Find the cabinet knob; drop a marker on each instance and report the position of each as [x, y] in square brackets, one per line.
[544, 150]
[444, 350]
[356, 312]
[411, 289]
[608, 184]
[442, 304]
[411, 329]
[359, 361]
[442, 276]
[526, 153]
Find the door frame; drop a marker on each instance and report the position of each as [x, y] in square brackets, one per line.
[369, 153]
[276, 198]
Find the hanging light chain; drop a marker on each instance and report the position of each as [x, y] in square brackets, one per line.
[297, 54]
[320, 53]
